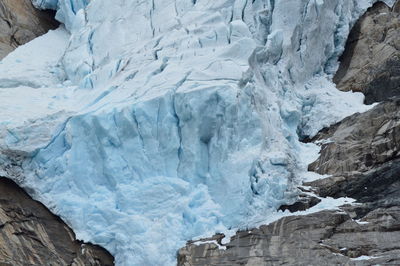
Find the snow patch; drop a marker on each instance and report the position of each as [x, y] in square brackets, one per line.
[365, 258]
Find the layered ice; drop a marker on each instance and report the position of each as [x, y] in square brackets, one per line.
[155, 122]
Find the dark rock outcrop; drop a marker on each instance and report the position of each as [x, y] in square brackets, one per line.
[20, 22]
[378, 188]
[323, 238]
[360, 142]
[304, 202]
[371, 61]
[363, 157]
[31, 235]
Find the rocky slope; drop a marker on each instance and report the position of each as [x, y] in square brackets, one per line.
[20, 22]
[323, 238]
[361, 155]
[31, 235]
[362, 142]
[371, 62]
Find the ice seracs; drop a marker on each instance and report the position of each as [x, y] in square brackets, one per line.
[179, 118]
[67, 10]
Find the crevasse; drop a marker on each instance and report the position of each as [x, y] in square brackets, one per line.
[155, 122]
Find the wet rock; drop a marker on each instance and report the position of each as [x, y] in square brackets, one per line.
[377, 188]
[20, 22]
[323, 238]
[31, 235]
[362, 153]
[360, 142]
[304, 202]
[371, 61]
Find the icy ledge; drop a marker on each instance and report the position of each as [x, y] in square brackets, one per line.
[160, 121]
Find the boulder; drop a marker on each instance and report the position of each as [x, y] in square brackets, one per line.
[371, 60]
[20, 22]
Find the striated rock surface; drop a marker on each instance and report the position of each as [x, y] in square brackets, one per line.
[360, 142]
[323, 238]
[31, 235]
[20, 22]
[363, 156]
[371, 61]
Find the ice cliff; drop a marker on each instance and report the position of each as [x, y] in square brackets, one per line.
[144, 124]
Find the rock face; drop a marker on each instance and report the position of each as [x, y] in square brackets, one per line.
[31, 235]
[323, 238]
[20, 22]
[361, 142]
[362, 155]
[371, 61]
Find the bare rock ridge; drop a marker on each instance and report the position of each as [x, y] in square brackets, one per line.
[363, 159]
[31, 235]
[362, 155]
[363, 151]
[323, 238]
[20, 22]
[371, 61]
[362, 142]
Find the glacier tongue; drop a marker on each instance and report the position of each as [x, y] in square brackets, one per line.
[165, 120]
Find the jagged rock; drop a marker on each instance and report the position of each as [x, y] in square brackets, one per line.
[304, 202]
[20, 22]
[362, 155]
[379, 187]
[360, 142]
[31, 235]
[371, 61]
[323, 238]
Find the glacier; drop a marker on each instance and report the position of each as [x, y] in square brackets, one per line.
[144, 124]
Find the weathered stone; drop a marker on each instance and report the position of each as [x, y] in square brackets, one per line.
[371, 61]
[360, 142]
[304, 202]
[20, 22]
[31, 235]
[363, 157]
[323, 238]
[377, 188]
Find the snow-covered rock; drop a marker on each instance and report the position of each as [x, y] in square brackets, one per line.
[164, 120]
[66, 9]
[20, 23]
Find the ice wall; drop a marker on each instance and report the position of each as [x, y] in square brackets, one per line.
[165, 120]
[66, 9]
